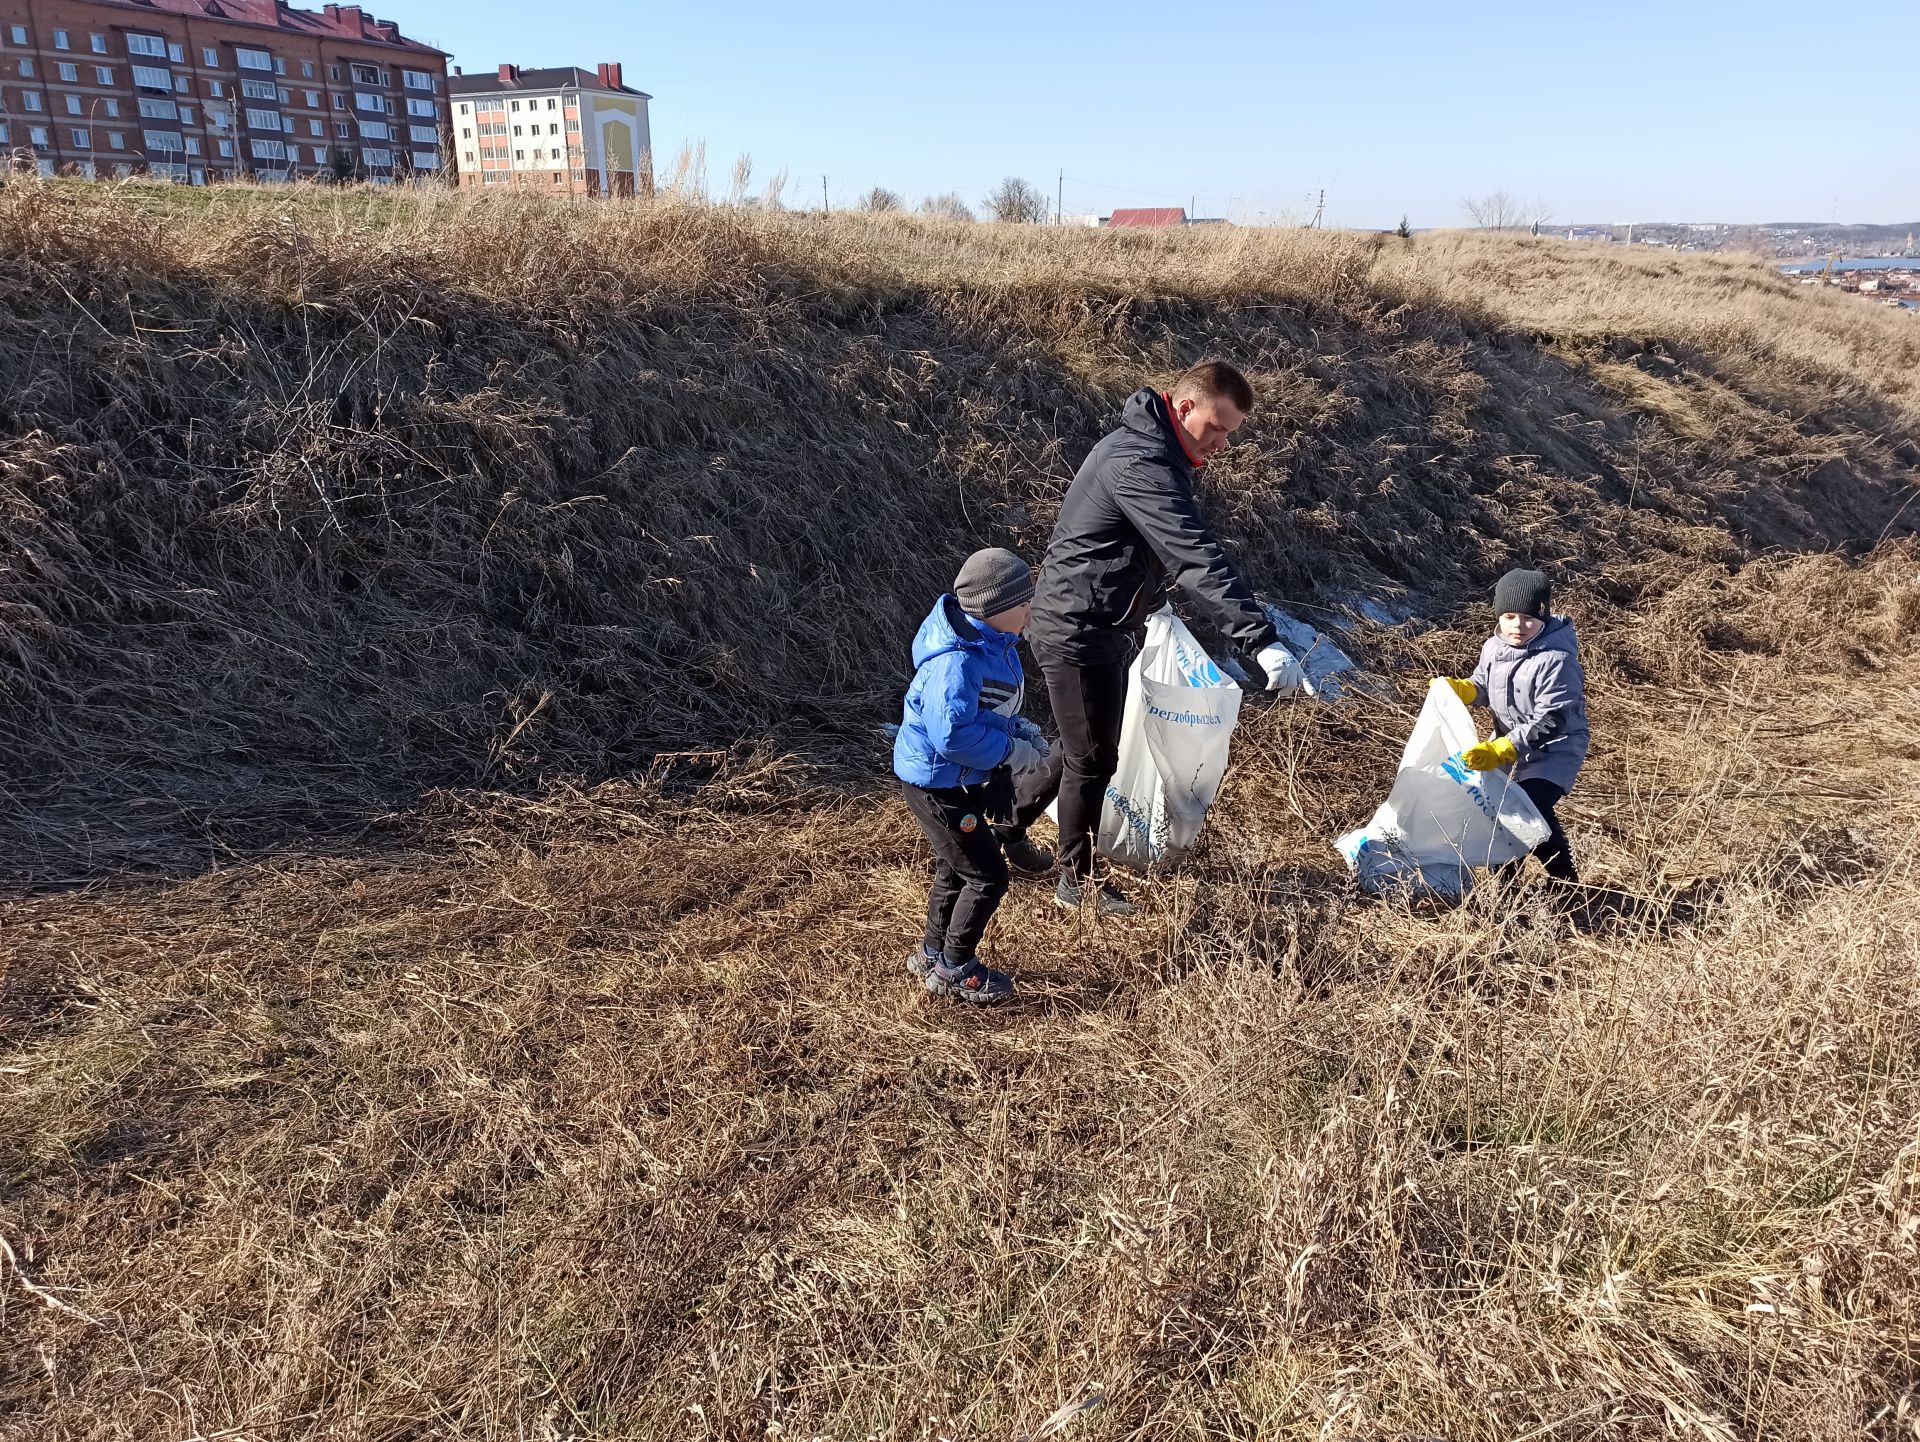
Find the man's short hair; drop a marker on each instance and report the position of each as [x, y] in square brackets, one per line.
[1212, 379]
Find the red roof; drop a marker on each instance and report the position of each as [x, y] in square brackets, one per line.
[1164, 215]
[340, 22]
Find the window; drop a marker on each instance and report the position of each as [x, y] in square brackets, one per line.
[340, 131]
[19, 33]
[217, 90]
[73, 105]
[466, 132]
[333, 72]
[339, 102]
[554, 129]
[30, 99]
[315, 127]
[422, 107]
[551, 102]
[306, 70]
[319, 155]
[263, 120]
[516, 130]
[466, 109]
[573, 126]
[99, 44]
[197, 175]
[103, 75]
[386, 79]
[146, 77]
[313, 100]
[186, 115]
[70, 72]
[252, 59]
[26, 69]
[283, 95]
[161, 140]
[259, 90]
[147, 45]
[46, 170]
[177, 54]
[269, 150]
[221, 119]
[376, 157]
[557, 177]
[423, 135]
[60, 40]
[82, 140]
[226, 150]
[112, 108]
[471, 158]
[365, 74]
[38, 135]
[193, 145]
[364, 101]
[558, 156]
[516, 105]
[210, 57]
[116, 141]
[417, 79]
[375, 130]
[5, 135]
[519, 155]
[279, 67]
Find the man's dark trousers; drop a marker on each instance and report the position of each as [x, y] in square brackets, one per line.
[1088, 702]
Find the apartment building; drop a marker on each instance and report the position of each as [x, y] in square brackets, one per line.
[200, 90]
[557, 132]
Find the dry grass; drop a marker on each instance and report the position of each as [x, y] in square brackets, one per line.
[509, 1070]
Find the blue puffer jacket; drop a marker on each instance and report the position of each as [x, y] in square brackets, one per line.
[968, 687]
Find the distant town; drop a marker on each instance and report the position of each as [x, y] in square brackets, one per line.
[1784, 240]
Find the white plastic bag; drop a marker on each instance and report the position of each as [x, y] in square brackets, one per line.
[1179, 718]
[1316, 660]
[1441, 820]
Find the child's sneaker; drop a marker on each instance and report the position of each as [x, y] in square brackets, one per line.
[969, 981]
[922, 960]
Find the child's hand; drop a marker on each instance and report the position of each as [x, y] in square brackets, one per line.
[1486, 755]
[1030, 730]
[1465, 690]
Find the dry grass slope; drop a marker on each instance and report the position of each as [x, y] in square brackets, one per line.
[452, 983]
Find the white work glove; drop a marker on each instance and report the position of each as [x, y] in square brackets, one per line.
[1026, 757]
[1282, 671]
[1030, 730]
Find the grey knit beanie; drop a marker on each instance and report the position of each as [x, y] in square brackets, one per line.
[1525, 593]
[992, 581]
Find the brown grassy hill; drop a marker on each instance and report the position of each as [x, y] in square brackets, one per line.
[452, 987]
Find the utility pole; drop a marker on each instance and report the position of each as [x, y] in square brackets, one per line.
[1059, 191]
[823, 196]
[1320, 212]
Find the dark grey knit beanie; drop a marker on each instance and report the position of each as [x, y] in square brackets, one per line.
[1525, 593]
[992, 581]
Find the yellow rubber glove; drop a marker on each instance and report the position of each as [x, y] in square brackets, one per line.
[1465, 690]
[1485, 755]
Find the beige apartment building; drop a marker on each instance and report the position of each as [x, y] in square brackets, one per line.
[555, 132]
[200, 90]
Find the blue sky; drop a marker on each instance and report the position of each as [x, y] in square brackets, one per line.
[1608, 110]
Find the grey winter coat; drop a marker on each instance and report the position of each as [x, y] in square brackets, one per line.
[1539, 698]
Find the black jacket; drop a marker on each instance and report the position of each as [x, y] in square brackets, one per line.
[1129, 532]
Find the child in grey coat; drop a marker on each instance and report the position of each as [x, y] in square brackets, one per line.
[1530, 674]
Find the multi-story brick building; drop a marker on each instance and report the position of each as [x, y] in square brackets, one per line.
[558, 132]
[198, 90]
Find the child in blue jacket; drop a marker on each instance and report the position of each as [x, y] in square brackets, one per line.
[1530, 675]
[961, 740]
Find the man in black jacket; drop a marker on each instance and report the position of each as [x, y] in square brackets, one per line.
[1129, 533]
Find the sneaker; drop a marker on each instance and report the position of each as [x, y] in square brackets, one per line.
[922, 960]
[1023, 856]
[1071, 893]
[969, 981]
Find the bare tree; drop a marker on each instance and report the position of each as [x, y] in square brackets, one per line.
[1014, 202]
[880, 200]
[946, 207]
[1494, 211]
[1500, 210]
